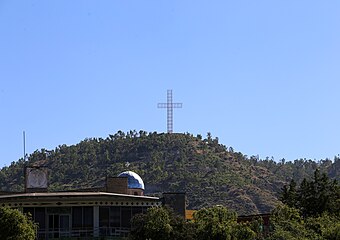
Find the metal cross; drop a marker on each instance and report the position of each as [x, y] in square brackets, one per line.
[169, 105]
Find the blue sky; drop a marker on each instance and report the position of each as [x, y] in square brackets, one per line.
[262, 76]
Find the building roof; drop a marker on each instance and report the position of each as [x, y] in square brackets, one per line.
[72, 194]
[50, 199]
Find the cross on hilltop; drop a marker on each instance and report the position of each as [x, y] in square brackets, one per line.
[169, 105]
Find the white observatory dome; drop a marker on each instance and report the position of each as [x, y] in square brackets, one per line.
[134, 180]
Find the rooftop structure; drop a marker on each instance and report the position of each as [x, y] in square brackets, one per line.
[134, 180]
[103, 212]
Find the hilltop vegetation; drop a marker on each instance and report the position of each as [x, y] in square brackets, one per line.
[209, 172]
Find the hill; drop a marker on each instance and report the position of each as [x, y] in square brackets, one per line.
[209, 172]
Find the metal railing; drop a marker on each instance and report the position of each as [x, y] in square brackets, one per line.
[84, 233]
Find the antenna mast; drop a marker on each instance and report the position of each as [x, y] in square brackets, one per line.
[24, 138]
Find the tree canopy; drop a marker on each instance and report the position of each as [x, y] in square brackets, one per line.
[14, 225]
[313, 197]
[220, 223]
[311, 210]
[215, 223]
[161, 223]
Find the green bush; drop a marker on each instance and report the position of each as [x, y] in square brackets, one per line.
[16, 226]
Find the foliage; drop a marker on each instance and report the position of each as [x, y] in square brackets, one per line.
[313, 197]
[257, 226]
[161, 223]
[15, 225]
[289, 194]
[220, 223]
[242, 231]
[209, 172]
[155, 224]
[312, 210]
[287, 224]
[332, 232]
[215, 223]
[324, 227]
[318, 201]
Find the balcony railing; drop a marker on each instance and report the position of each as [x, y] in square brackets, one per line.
[83, 233]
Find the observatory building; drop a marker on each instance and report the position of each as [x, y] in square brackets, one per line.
[103, 212]
[135, 183]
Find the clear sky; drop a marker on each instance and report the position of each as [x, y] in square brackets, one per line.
[263, 76]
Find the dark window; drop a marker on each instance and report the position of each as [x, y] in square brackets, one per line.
[50, 222]
[88, 217]
[114, 216]
[77, 216]
[126, 217]
[56, 222]
[82, 217]
[136, 210]
[64, 222]
[104, 213]
[40, 217]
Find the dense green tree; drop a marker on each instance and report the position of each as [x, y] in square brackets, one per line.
[325, 226]
[242, 231]
[153, 225]
[214, 223]
[219, 223]
[161, 223]
[314, 197]
[16, 226]
[256, 225]
[287, 224]
[182, 229]
[318, 201]
[289, 194]
[332, 232]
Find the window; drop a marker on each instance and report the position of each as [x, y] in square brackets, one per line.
[38, 215]
[104, 213]
[77, 216]
[126, 217]
[82, 217]
[88, 217]
[136, 210]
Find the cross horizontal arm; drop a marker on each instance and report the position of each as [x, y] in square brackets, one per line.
[162, 105]
[169, 105]
[177, 105]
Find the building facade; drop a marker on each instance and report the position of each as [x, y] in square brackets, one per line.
[104, 212]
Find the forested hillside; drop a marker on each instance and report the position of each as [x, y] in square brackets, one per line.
[209, 172]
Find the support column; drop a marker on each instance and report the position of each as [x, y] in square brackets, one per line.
[96, 221]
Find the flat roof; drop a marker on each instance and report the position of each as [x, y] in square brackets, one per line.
[72, 194]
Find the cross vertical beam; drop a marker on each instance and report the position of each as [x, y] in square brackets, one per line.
[170, 112]
[169, 105]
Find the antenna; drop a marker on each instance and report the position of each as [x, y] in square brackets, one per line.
[169, 105]
[24, 138]
[25, 167]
